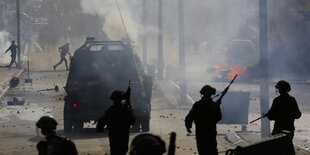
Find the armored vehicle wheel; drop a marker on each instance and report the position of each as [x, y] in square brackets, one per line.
[145, 125]
[67, 120]
[78, 125]
[135, 127]
[67, 125]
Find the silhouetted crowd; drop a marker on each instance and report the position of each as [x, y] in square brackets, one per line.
[205, 113]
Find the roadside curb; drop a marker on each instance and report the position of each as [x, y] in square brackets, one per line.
[6, 86]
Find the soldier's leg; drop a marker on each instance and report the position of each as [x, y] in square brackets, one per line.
[12, 61]
[291, 149]
[211, 145]
[61, 60]
[66, 63]
[115, 145]
[124, 142]
[201, 142]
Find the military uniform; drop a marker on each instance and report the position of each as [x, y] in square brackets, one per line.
[54, 144]
[284, 111]
[13, 48]
[205, 113]
[118, 118]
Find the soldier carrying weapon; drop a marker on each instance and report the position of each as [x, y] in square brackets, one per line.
[118, 118]
[206, 113]
[284, 110]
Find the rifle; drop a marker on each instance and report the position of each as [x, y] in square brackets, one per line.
[171, 149]
[264, 115]
[127, 95]
[225, 91]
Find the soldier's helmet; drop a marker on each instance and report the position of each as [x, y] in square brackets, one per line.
[47, 123]
[117, 95]
[283, 85]
[147, 144]
[13, 41]
[207, 90]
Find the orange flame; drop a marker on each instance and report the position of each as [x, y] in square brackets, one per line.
[218, 68]
[238, 69]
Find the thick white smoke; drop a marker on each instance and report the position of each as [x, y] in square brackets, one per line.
[4, 44]
[131, 12]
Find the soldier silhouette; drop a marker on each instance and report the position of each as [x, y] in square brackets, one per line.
[118, 118]
[64, 50]
[54, 144]
[284, 110]
[12, 48]
[205, 113]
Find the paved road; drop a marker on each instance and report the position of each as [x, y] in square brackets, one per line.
[17, 123]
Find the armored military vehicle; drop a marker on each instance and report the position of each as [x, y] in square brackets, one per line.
[98, 68]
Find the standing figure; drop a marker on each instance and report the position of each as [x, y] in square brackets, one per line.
[64, 50]
[54, 144]
[12, 48]
[118, 118]
[284, 111]
[205, 113]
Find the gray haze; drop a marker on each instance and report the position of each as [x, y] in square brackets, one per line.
[211, 27]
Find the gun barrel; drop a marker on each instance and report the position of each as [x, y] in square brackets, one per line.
[258, 119]
[233, 80]
[171, 149]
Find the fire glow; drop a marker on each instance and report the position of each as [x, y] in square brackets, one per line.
[238, 69]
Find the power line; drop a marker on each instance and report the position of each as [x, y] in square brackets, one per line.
[122, 20]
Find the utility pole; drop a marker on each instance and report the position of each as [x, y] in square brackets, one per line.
[182, 55]
[18, 34]
[264, 82]
[144, 37]
[1, 15]
[160, 60]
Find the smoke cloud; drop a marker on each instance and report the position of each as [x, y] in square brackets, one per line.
[131, 12]
[4, 44]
